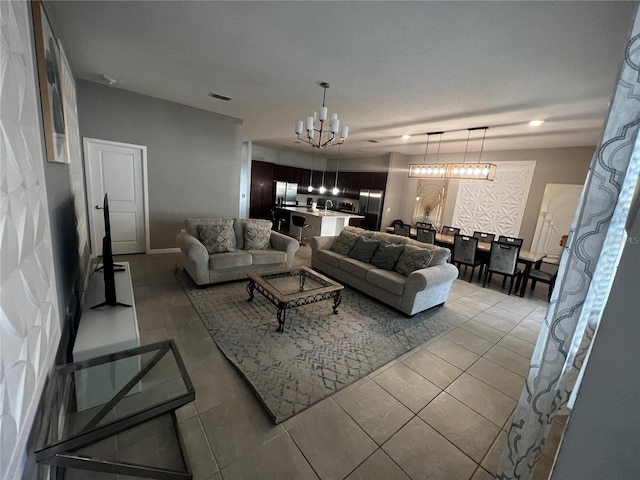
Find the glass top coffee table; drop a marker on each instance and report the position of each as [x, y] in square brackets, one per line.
[294, 288]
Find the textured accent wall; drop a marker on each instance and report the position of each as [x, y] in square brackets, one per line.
[498, 206]
[29, 318]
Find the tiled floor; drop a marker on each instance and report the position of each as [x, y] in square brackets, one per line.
[440, 410]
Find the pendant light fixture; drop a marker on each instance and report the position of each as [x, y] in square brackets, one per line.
[310, 126]
[428, 170]
[310, 187]
[322, 188]
[336, 190]
[472, 171]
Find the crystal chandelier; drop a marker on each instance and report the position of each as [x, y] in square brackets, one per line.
[315, 123]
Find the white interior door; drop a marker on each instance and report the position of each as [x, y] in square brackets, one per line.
[118, 170]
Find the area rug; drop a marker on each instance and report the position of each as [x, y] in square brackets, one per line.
[318, 353]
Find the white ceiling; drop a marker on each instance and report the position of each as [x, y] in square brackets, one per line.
[395, 68]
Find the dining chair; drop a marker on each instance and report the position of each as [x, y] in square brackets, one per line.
[503, 259]
[424, 225]
[426, 235]
[511, 240]
[450, 230]
[484, 236]
[465, 252]
[404, 229]
[537, 275]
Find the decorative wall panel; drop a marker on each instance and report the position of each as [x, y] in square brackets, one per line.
[29, 319]
[498, 206]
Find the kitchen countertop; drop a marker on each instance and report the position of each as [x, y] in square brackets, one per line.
[321, 212]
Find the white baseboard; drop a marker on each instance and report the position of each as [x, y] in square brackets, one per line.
[164, 250]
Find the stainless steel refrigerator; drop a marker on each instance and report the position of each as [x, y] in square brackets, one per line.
[371, 208]
[284, 194]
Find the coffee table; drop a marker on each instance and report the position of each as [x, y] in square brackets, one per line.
[294, 288]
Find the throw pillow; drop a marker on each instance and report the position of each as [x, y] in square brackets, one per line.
[413, 258]
[218, 236]
[387, 255]
[440, 256]
[344, 243]
[257, 234]
[364, 249]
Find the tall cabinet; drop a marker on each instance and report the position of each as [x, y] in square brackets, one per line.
[261, 196]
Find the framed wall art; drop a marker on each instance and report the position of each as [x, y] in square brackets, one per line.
[48, 60]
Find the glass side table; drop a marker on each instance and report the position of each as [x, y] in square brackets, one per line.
[99, 436]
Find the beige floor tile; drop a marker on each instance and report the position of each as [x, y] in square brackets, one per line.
[498, 312]
[378, 466]
[483, 330]
[186, 412]
[482, 474]
[236, 427]
[493, 321]
[509, 360]
[469, 340]
[330, 440]
[201, 458]
[433, 368]
[520, 306]
[410, 388]
[525, 334]
[278, 458]
[498, 377]
[452, 353]
[466, 308]
[465, 428]
[375, 410]
[215, 387]
[531, 324]
[492, 460]
[451, 316]
[417, 449]
[482, 398]
[517, 345]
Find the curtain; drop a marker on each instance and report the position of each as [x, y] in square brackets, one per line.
[585, 275]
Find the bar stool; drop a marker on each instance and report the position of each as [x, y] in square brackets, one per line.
[300, 222]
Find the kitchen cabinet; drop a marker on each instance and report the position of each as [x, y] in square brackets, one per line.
[261, 194]
[261, 174]
[281, 173]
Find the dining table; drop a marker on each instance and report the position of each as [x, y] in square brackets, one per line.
[529, 258]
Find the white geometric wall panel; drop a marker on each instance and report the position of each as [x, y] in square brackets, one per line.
[498, 206]
[29, 319]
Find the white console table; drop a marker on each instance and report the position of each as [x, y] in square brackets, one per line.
[102, 331]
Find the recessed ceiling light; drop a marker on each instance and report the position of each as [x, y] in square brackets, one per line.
[406, 137]
[536, 123]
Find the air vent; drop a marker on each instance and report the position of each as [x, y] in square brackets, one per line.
[373, 141]
[219, 96]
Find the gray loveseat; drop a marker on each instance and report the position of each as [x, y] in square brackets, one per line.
[235, 248]
[419, 279]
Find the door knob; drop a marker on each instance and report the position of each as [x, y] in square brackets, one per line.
[98, 207]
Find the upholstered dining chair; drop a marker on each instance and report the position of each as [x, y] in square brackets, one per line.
[511, 240]
[404, 229]
[484, 236]
[538, 275]
[426, 235]
[465, 252]
[450, 230]
[424, 225]
[503, 259]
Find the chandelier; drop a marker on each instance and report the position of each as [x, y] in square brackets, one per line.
[458, 171]
[315, 123]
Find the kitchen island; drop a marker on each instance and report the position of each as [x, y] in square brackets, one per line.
[322, 223]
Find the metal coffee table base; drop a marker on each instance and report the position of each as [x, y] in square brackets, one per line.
[283, 306]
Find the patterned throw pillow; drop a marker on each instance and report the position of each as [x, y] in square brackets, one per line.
[387, 255]
[364, 249]
[257, 234]
[344, 243]
[413, 258]
[218, 236]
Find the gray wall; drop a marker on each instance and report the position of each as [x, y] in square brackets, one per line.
[194, 157]
[602, 439]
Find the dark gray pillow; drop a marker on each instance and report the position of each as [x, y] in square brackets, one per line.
[364, 249]
[387, 255]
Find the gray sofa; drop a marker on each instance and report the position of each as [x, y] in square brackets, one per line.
[410, 292]
[205, 268]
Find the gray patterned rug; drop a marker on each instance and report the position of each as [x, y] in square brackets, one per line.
[319, 352]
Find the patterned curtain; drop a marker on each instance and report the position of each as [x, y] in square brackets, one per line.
[585, 275]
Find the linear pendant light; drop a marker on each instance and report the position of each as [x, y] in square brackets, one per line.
[428, 170]
[472, 171]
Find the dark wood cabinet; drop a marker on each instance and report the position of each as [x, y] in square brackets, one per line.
[261, 195]
[378, 180]
[261, 174]
[281, 173]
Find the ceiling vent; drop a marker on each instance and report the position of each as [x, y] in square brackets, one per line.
[219, 96]
[373, 141]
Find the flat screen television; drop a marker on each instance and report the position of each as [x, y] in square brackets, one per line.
[108, 266]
